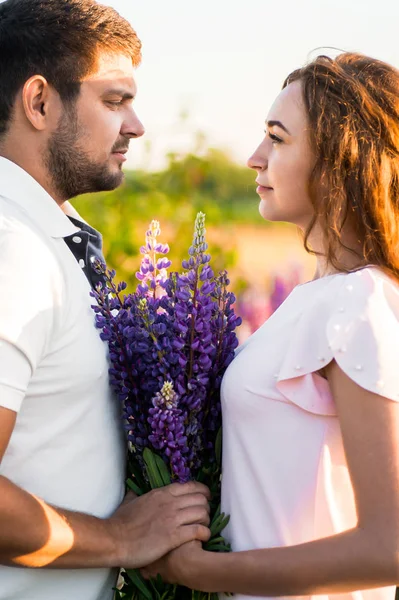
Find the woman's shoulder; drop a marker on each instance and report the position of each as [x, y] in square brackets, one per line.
[354, 320]
[351, 291]
[357, 314]
[369, 278]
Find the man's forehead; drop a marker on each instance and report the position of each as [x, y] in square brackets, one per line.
[113, 68]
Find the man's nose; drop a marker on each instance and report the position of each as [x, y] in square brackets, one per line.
[133, 128]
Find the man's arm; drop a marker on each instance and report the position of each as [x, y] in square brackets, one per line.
[35, 534]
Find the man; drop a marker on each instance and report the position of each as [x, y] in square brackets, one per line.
[66, 119]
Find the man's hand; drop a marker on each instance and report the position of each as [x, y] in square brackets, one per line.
[146, 528]
[179, 566]
[36, 534]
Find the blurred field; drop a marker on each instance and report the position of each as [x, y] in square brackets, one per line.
[264, 260]
[264, 251]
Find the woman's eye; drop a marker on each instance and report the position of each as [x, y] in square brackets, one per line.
[274, 138]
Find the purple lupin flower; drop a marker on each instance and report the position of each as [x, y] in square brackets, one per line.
[196, 285]
[279, 292]
[153, 270]
[168, 432]
[169, 345]
[185, 336]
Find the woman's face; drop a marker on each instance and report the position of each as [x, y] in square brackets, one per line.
[284, 161]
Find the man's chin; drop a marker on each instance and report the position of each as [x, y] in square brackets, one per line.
[98, 185]
[119, 179]
[113, 181]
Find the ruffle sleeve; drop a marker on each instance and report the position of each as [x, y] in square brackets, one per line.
[354, 320]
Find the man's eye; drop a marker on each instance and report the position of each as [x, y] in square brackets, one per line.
[114, 102]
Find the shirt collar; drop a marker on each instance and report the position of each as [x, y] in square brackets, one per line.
[20, 187]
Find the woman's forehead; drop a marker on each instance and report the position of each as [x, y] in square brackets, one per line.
[289, 109]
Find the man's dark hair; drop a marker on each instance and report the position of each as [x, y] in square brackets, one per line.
[60, 40]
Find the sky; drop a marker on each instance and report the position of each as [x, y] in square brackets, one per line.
[211, 69]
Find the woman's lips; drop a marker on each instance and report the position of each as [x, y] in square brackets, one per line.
[261, 189]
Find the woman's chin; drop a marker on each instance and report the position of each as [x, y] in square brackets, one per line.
[267, 212]
[270, 213]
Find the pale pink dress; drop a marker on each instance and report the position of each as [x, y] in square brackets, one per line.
[285, 476]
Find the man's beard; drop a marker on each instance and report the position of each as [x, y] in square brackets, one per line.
[71, 170]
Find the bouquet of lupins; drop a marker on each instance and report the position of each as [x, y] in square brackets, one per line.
[169, 345]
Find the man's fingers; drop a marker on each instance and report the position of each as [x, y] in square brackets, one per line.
[130, 496]
[188, 500]
[194, 514]
[191, 487]
[195, 532]
[148, 572]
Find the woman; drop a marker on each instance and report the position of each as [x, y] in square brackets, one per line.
[310, 403]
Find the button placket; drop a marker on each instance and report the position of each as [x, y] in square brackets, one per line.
[86, 245]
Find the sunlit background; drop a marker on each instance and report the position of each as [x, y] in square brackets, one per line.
[210, 72]
[215, 66]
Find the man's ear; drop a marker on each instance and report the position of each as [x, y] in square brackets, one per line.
[35, 100]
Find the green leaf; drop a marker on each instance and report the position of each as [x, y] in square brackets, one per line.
[218, 548]
[163, 470]
[225, 521]
[154, 587]
[215, 540]
[201, 477]
[170, 593]
[135, 470]
[139, 582]
[135, 488]
[218, 524]
[217, 514]
[153, 473]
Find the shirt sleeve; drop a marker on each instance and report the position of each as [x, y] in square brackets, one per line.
[15, 374]
[356, 324]
[28, 301]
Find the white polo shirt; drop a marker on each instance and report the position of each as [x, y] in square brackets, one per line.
[67, 446]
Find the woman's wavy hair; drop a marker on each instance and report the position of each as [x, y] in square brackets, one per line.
[353, 107]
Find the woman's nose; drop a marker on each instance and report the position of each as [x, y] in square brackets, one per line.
[257, 160]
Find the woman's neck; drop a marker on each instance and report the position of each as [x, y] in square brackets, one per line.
[350, 255]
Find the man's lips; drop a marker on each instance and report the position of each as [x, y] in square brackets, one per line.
[120, 153]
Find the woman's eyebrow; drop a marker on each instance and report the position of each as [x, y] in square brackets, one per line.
[278, 124]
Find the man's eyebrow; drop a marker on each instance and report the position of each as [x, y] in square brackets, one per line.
[119, 92]
[278, 124]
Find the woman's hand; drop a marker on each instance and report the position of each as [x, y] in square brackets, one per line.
[179, 566]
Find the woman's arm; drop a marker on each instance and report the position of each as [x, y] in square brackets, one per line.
[364, 557]
[342, 563]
